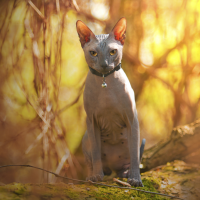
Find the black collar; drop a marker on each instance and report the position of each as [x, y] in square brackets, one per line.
[101, 75]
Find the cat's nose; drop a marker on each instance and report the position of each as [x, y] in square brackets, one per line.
[104, 64]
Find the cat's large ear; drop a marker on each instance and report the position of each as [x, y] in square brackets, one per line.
[119, 30]
[85, 34]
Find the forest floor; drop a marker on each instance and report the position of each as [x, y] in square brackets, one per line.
[176, 179]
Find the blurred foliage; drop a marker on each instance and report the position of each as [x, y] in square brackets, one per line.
[43, 70]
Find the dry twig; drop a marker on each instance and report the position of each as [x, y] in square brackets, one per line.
[121, 182]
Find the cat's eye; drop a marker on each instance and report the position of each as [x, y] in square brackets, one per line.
[113, 52]
[93, 53]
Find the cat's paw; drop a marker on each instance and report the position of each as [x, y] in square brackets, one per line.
[95, 178]
[135, 182]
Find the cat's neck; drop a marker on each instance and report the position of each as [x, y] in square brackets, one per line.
[95, 72]
[114, 79]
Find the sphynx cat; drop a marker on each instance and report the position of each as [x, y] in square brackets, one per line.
[111, 142]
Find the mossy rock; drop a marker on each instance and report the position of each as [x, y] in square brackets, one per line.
[177, 179]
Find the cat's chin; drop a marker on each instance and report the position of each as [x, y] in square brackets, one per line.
[106, 71]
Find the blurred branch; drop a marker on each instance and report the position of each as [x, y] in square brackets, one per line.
[39, 111]
[62, 162]
[4, 20]
[59, 57]
[72, 167]
[176, 93]
[73, 102]
[39, 137]
[58, 6]
[90, 17]
[60, 133]
[8, 23]
[28, 28]
[30, 127]
[75, 5]
[36, 9]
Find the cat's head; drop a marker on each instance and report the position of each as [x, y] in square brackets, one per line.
[102, 52]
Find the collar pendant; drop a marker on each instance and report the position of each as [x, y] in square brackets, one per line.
[104, 85]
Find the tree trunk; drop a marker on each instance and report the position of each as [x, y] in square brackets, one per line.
[184, 144]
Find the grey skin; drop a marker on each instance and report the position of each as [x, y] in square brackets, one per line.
[111, 142]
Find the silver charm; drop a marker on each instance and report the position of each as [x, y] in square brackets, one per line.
[104, 85]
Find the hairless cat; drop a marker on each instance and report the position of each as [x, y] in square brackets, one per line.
[111, 142]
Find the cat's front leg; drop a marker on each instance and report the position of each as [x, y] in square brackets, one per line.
[94, 137]
[133, 141]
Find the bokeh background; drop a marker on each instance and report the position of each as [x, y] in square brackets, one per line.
[43, 71]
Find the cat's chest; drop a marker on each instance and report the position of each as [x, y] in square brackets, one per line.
[110, 99]
[111, 106]
[109, 112]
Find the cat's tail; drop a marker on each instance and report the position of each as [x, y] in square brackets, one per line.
[142, 147]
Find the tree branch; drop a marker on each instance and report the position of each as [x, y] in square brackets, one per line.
[36, 9]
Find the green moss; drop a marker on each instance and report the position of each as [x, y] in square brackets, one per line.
[18, 188]
[81, 191]
[72, 194]
[169, 182]
[104, 192]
